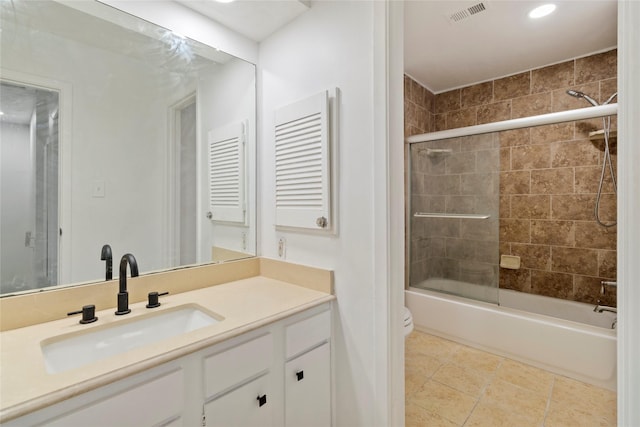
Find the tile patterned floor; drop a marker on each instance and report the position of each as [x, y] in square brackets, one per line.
[449, 384]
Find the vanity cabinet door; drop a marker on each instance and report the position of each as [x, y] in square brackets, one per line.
[250, 405]
[308, 389]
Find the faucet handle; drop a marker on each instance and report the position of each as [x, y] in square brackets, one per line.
[153, 299]
[604, 283]
[88, 314]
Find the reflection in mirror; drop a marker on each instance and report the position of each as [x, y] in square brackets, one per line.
[111, 134]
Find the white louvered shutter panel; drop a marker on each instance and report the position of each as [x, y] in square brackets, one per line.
[226, 173]
[302, 164]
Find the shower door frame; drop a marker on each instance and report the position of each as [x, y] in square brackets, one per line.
[525, 122]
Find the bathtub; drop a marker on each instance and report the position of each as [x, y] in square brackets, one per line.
[566, 347]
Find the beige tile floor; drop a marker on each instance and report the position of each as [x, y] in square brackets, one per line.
[448, 384]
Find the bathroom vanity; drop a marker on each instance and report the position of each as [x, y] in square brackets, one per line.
[266, 360]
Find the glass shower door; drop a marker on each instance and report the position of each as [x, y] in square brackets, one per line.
[454, 205]
[28, 188]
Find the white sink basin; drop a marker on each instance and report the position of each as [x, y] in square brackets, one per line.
[76, 350]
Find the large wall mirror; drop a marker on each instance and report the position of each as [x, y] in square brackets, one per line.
[117, 132]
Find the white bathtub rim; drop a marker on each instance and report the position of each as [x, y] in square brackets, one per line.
[520, 314]
[573, 311]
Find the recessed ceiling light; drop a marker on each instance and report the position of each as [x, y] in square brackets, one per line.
[225, 1]
[541, 11]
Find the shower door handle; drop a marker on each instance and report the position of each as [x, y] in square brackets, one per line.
[450, 215]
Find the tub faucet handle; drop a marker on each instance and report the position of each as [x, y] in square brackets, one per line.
[604, 284]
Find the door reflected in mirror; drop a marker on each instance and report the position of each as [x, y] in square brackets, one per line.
[106, 139]
[29, 193]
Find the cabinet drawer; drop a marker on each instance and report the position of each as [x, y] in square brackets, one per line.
[307, 333]
[155, 402]
[242, 407]
[230, 367]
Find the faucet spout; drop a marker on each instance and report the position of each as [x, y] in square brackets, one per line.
[123, 295]
[106, 255]
[601, 308]
[133, 267]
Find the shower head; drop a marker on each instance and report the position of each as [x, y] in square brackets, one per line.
[578, 94]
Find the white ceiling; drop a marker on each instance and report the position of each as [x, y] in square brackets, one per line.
[501, 40]
[17, 103]
[442, 55]
[255, 19]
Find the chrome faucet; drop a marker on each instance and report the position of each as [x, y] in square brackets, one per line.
[123, 295]
[106, 255]
[604, 284]
[600, 308]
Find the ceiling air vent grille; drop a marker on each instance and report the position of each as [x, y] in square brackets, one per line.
[465, 13]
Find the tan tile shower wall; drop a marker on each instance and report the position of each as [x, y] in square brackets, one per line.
[418, 108]
[549, 175]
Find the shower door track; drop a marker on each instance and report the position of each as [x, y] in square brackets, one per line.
[524, 122]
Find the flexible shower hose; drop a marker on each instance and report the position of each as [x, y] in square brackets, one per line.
[606, 123]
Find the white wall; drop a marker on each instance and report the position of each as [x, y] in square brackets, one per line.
[628, 213]
[189, 23]
[332, 45]
[118, 136]
[229, 96]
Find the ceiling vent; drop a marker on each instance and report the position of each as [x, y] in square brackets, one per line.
[467, 12]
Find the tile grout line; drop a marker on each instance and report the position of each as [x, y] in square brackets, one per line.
[546, 410]
[484, 389]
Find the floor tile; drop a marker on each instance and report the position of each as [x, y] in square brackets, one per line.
[417, 416]
[418, 369]
[444, 401]
[465, 380]
[525, 376]
[449, 384]
[595, 400]
[574, 416]
[432, 346]
[486, 415]
[478, 360]
[516, 399]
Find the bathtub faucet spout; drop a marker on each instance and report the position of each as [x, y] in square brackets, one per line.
[600, 308]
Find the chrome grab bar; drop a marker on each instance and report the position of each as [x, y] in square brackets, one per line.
[450, 215]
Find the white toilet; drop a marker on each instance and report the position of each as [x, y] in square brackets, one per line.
[408, 322]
